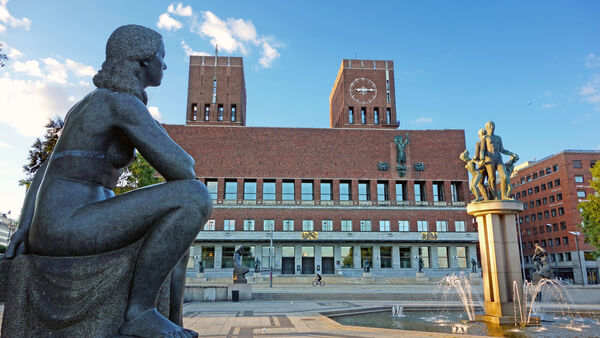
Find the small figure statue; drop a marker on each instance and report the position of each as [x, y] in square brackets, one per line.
[366, 266]
[257, 265]
[421, 264]
[541, 264]
[473, 265]
[400, 146]
[476, 186]
[201, 266]
[239, 270]
[491, 153]
[510, 167]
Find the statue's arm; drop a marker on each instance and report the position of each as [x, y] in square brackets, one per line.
[151, 139]
[18, 241]
[502, 150]
[482, 149]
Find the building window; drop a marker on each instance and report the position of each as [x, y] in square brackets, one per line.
[580, 193]
[287, 191]
[194, 111]
[250, 190]
[557, 182]
[578, 179]
[547, 214]
[441, 226]
[384, 225]
[382, 191]
[550, 241]
[461, 257]
[212, 186]
[365, 225]
[364, 191]
[400, 192]
[536, 189]
[214, 92]
[559, 197]
[207, 112]
[561, 211]
[363, 115]
[376, 115]
[424, 255]
[327, 225]
[308, 225]
[268, 191]
[307, 191]
[403, 226]
[405, 258]
[248, 225]
[207, 255]
[351, 115]
[545, 200]
[533, 217]
[592, 163]
[454, 188]
[388, 115]
[422, 226]
[366, 256]
[326, 194]
[227, 254]
[233, 113]
[209, 225]
[543, 186]
[563, 226]
[576, 163]
[459, 226]
[346, 225]
[229, 225]
[419, 191]
[347, 257]
[345, 192]
[557, 241]
[288, 225]
[438, 191]
[230, 190]
[442, 252]
[220, 113]
[266, 257]
[385, 254]
[268, 225]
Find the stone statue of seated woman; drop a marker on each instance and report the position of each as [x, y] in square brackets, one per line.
[81, 254]
[239, 270]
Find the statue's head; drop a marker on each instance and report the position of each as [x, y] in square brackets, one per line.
[134, 60]
[481, 133]
[465, 156]
[489, 127]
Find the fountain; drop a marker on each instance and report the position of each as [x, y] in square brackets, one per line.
[541, 293]
[462, 285]
[397, 311]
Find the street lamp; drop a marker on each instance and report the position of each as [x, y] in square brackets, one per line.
[577, 234]
[271, 258]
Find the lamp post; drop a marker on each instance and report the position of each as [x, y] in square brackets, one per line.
[577, 234]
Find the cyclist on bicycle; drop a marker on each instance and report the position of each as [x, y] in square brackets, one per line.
[319, 278]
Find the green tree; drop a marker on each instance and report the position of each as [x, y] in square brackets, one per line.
[3, 57]
[591, 212]
[40, 150]
[139, 174]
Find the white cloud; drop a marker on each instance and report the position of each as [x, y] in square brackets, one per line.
[592, 61]
[244, 30]
[80, 69]
[219, 33]
[548, 93]
[180, 10]
[189, 51]
[548, 105]
[9, 51]
[590, 92]
[421, 120]
[269, 55]
[4, 145]
[7, 19]
[57, 72]
[155, 113]
[31, 68]
[167, 22]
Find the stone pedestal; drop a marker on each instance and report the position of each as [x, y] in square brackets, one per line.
[421, 277]
[500, 257]
[245, 290]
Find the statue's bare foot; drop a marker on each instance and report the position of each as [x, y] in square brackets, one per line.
[150, 323]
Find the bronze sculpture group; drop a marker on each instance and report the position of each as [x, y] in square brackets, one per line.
[486, 163]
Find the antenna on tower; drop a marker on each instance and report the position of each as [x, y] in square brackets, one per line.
[216, 50]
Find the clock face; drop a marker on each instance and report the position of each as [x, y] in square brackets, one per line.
[363, 90]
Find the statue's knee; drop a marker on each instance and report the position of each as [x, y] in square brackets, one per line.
[196, 198]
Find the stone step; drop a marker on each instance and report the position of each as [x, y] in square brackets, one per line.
[407, 296]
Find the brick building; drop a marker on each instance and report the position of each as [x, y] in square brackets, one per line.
[551, 189]
[336, 198]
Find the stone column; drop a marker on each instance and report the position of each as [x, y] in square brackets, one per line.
[500, 261]
[395, 257]
[433, 258]
[337, 256]
[376, 257]
[318, 259]
[218, 256]
[357, 262]
[414, 256]
[297, 258]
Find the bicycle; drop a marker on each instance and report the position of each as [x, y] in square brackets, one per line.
[317, 282]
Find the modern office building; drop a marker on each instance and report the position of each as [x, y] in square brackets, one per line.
[334, 200]
[551, 189]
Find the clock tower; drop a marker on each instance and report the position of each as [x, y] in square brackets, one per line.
[363, 95]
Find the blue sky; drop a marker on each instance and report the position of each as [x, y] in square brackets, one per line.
[533, 67]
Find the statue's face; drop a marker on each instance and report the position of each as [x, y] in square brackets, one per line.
[155, 67]
[489, 127]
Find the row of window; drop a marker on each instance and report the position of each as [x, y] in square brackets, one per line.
[544, 201]
[232, 114]
[540, 174]
[347, 256]
[327, 225]
[307, 190]
[544, 228]
[553, 257]
[547, 214]
[542, 187]
[365, 120]
[550, 242]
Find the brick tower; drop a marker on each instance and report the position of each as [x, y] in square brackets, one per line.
[216, 91]
[363, 95]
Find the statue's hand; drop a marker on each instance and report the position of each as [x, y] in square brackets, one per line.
[17, 244]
